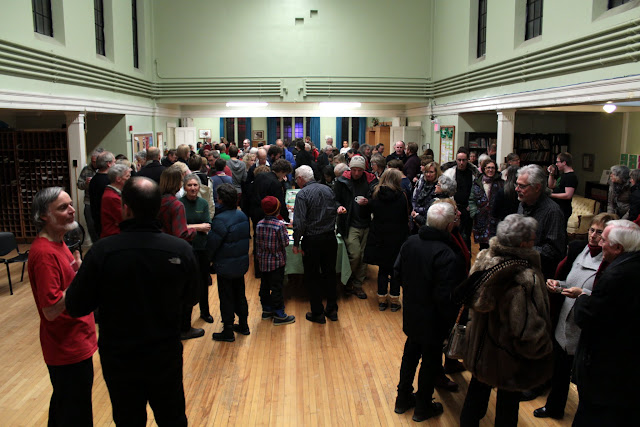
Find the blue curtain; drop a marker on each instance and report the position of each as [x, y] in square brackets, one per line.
[337, 141]
[362, 130]
[221, 127]
[247, 133]
[272, 124]
[314, 132]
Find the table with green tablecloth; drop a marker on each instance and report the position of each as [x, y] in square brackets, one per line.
[294, 262]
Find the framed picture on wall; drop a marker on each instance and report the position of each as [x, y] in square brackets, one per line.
[204, 133]
[141, 141]
[587, 162]
[447, 142]
[257, 135]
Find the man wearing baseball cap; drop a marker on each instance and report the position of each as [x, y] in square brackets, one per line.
[353, 191]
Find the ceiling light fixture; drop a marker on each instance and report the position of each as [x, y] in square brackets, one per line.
[336, 105]
[609, 107]
[247, 104]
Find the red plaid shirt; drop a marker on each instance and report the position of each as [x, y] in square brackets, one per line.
[271, 240]
[173, 218]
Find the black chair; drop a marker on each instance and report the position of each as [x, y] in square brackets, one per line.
[7, 245]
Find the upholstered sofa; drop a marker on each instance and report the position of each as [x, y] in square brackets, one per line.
[583, 211]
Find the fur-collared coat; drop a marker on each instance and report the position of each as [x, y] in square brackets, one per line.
[509, 335]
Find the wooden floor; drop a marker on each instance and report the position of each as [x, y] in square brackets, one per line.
[339, 374]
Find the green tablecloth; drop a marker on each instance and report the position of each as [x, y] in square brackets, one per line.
[294, 262]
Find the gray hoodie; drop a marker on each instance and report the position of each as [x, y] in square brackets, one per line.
[238, 173]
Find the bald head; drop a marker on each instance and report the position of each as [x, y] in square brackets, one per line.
[153, 153]
[279, 142]
[262, 156]
[141, 199]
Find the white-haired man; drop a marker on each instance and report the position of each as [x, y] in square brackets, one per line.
[87, 173]
[111, 211]
[314, 218]
[605, 369]
[429, 269]
[551, 235]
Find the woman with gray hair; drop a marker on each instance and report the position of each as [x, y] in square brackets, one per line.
[509, 344]
[576, 274]
[634, 197]
[619, 191]
[446, 187]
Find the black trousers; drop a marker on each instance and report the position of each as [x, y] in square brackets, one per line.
[466, 225]
[477, 401]
[563, 362]
[154, 377]
[319, 261]
[232, 299]
[430, 351]
[591, 414]
[271, 297]
[205, 280]
[71, 399]
[385, 275]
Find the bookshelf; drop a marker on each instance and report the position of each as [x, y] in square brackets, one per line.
[480, 141]
[30, 160]
[540, 148]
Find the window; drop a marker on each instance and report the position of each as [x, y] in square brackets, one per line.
[242, 130]
[299, 127]
[42, 18]
[307, 132]
[350, 130]
[229, 129]
[534, 19]
[134, 18]
[278, 132]
[98, 12]
[286, 129]
[482, 28]
[616, 3]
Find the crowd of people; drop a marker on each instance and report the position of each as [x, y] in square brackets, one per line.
[539, 311]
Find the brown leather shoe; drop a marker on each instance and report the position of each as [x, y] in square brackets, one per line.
[443, 382]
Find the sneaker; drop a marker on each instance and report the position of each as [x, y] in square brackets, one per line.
[241, 329]
[266, 315]
[333, 316]
[405, 402]
[316, 318]
[226, 335]
[277, 321]
[432, 409]
[192, 333]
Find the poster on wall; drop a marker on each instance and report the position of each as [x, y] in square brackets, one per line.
[141, 141]
[447, 141]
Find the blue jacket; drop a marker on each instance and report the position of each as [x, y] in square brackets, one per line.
[228, 242]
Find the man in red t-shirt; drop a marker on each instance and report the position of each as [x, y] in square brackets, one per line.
[68, 344]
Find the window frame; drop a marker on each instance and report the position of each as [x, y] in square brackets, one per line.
[42, 13]
[98, 13]
[531, 21]
[481, 44]
[611, 4]
[134, 22]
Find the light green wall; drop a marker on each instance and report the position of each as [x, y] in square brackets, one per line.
[563, 21]
[211, 123]
[594, 133]
[246, 38]
[260, 123]
[108, 131]
[633, 139]
[328, 128]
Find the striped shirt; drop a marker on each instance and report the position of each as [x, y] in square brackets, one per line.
[314, 212]
[271, 240]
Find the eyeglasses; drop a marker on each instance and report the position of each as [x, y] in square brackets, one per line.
[523, 186]
[594, 230]
[490, 167]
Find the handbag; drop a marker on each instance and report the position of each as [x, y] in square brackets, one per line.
[457, 343]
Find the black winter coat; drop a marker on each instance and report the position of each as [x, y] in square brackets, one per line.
[429, 267]
[606, 366]
[266, 184]
[389, 227]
